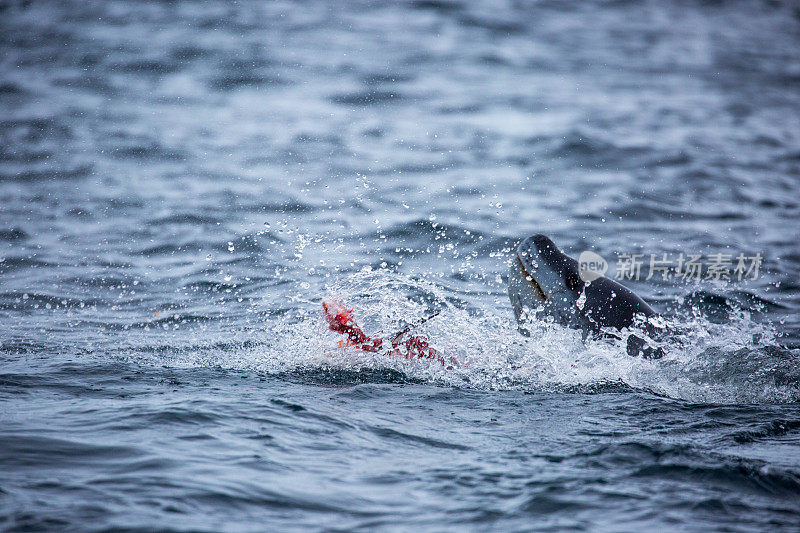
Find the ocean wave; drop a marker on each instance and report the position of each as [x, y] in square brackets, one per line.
[718, 362]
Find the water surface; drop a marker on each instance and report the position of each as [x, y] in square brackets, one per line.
[182, 183]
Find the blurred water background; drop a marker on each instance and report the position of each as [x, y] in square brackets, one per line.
[181, 183]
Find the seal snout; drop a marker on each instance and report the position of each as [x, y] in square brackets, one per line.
[528, 254]
[537, 244]
[527, 265]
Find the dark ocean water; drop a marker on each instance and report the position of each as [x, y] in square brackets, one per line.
[181, 183]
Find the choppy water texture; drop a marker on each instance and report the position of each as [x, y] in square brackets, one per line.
[182, 183]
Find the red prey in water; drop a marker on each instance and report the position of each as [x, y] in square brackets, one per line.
[340, 319]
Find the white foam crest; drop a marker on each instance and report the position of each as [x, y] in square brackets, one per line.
[733, 362]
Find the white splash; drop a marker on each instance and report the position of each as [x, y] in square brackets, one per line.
[735, 362]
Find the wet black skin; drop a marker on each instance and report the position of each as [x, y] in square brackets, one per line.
[608, 304]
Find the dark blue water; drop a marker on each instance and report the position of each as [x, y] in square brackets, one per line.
[182, 183]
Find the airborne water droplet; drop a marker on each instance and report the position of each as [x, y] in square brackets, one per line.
[581, 301]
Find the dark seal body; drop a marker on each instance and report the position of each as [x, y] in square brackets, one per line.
[546, 282]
